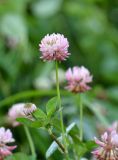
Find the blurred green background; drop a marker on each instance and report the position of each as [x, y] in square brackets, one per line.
[91, 27]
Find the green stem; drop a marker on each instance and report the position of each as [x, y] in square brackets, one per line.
[31, 144]
[56, 140]
[81, 118]
[59, 102]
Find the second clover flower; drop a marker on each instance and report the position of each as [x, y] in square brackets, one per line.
[78, 79]
[6, 138]
[54, 47]
[20, 110]
[108, 146]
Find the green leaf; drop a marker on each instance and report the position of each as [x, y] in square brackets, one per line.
[55, 122]
[39, 114]
[38, 124]
[51, 106]
[32, 158]
[54, 146]
[18, 156]
[82, 148]
[24, 121]
[30, 123]
[73, 131]
[90, 145]
[72, 127]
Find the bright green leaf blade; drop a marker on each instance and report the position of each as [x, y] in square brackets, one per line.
[38, 124]
[54, 146]
[18, 156]
[90, 145]
[24, 121]
[30, 123]
[55, 122]
[39, 114]
[51, 106]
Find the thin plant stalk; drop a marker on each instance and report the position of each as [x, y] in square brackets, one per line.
[31, 144]
[81, 117]
[59, 103]
[56, 140]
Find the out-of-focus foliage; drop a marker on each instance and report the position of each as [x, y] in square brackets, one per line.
[91, 27]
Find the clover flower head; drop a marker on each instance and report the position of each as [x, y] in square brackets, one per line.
[29, 108]
[108, 146]
[78, 79]
[54, 47]
[5, 138]
[14, 112]
[20, 110]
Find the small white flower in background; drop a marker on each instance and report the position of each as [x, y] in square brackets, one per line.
[61, 73]
[5, 138]
[20, 110]
[47, 82]
[42, 83]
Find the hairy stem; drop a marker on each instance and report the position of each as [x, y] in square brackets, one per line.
[81, 118]
[61, 114]
[31, 144]
[56, 140]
